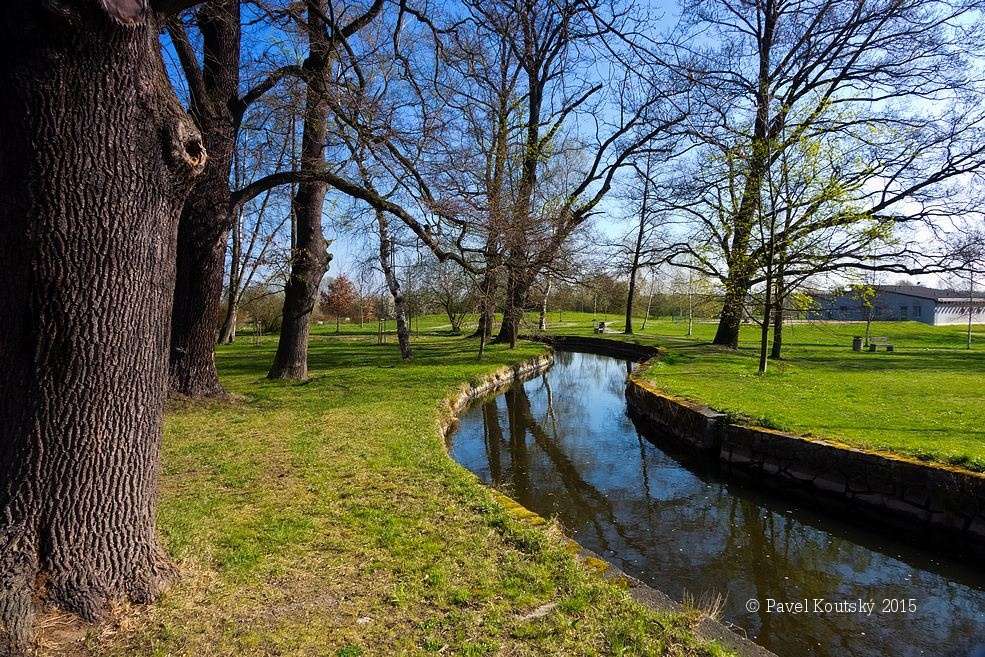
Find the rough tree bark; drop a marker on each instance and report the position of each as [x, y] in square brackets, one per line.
[310, 256]
[741, 266]
[96, 157]
[206, 218]
[393, 284]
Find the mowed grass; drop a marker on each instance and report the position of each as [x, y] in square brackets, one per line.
[926, 400]
[325, 518]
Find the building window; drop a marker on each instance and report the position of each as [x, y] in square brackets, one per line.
[917, 311]
[902, 312]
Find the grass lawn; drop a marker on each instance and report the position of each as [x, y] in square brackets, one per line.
[326, 518]
[925, 400]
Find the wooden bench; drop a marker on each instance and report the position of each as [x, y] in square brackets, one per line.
[882, 341]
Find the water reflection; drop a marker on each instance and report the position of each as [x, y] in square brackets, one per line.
[563, 446]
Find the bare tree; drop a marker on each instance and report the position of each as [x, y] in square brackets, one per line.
[450, 289]
[493, 166]
[549, 41]
[388, 257]
[890, 82]
[212, 76]
[643, 247]
[255, 237]
[327, 40]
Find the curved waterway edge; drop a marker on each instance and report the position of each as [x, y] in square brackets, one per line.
[496, 382]
[933, 504]
[561, 443]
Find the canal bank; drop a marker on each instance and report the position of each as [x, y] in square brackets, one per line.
[561, 444]
[931, 503]
[472, 392]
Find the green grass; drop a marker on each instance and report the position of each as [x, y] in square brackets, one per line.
[926, 400]
[326, 518]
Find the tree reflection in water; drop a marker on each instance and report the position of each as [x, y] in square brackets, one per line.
[562, 445]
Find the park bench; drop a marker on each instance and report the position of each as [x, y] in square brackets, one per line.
[600, 327]
[875, 343]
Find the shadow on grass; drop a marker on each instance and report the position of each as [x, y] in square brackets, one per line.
[328, 352]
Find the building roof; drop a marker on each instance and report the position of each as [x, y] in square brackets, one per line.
[924, 292]
[918, 291]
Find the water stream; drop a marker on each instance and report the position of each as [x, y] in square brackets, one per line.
[562, 445]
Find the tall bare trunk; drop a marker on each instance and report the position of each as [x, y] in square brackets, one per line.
[393, 285]
[634, 266]
[776, 351]
[309, 257]
[96, 157]
[542, 322]
[228, 331]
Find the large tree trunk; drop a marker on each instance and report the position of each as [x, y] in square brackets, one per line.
[310, 257]
[730, 320]
[741, 265]
[516, 298]
[206, 217]
[393, 284]
[96, 157]
[202, 236]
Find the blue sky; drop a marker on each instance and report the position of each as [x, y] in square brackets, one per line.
[349, 248]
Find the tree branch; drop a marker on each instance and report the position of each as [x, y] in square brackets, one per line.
[189, 63]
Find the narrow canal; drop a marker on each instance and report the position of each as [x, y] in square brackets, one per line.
[562, 445]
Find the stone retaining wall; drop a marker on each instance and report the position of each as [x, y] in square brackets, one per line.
[930, 502]
[693, 425]
[488, 384]
[896, 491]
